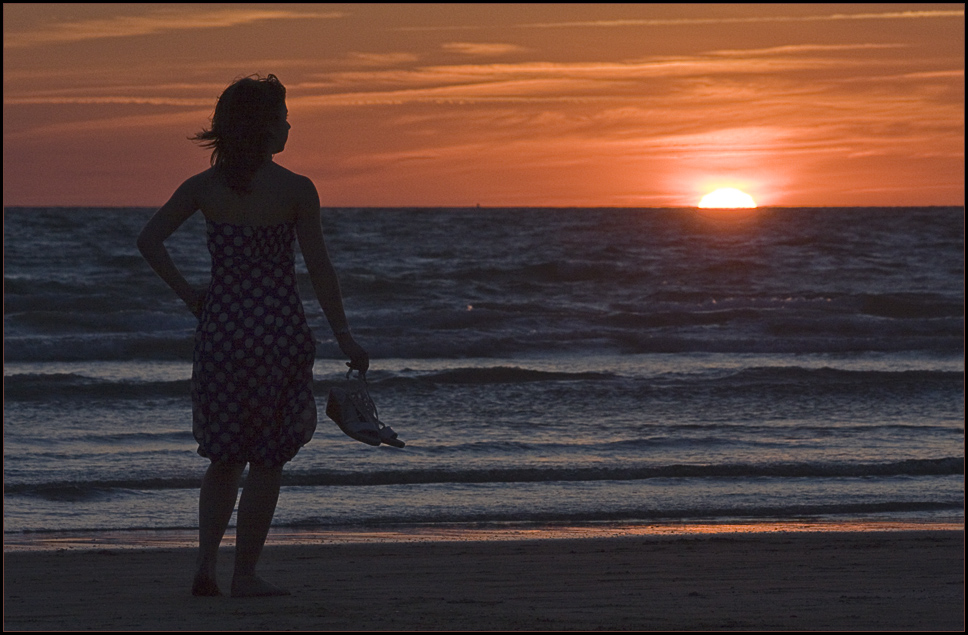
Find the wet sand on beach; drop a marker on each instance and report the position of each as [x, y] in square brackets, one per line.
[877, 580]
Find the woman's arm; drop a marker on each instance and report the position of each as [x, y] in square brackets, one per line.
[309, 231]
[151, 243]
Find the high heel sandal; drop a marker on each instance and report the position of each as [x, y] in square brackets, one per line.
[355, 413]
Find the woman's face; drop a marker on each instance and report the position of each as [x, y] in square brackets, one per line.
[279, 131]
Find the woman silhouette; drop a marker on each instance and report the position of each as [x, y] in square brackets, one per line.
[252, 400]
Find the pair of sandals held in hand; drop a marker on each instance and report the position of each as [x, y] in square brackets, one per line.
[355, 413]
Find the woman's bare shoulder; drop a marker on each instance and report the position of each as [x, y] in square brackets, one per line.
[293, 179]
[301, 187]
[199, 184]
[191, 192]
[205, 177]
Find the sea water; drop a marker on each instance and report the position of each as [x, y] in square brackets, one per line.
[543, 366]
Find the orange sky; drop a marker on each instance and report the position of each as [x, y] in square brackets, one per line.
[500, 105]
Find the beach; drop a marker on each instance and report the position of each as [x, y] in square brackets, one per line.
[751, 580]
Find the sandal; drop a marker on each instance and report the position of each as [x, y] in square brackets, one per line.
[343, 409]
[388, 436]
[355, 414]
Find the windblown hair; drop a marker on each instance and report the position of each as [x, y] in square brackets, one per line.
[239, 136]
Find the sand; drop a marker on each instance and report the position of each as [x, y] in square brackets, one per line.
[880, 580]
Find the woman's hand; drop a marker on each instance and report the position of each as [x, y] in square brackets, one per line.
[359, 360]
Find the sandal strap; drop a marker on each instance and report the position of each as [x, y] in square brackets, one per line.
[364, 395]
[360, 397]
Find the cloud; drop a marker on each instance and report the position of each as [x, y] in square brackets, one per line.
[794, 49]
[115, 99]
[188, 121]
[952, 74]
[719, 76]
[891, 15]
[382, 59]
[649, 22]
[156, 22]
[551, 81]
[482, 48]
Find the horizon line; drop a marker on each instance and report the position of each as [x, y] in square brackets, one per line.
[502, 207]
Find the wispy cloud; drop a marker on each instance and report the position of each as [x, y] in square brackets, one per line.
[889, 15]
[114, 99]
[651, 22]
[952, 74]
[156, 22]
[482, 49]
[185, 121]
[543, 81]
[382, 59]
[795, 49]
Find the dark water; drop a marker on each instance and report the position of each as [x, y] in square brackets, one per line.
[542, 365]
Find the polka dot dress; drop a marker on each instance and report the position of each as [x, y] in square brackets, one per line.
[252, 374]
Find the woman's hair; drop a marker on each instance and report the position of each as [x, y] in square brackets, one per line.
[239, 136]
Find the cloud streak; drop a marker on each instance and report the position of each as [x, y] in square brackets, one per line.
[115, 99]
[890, 15]
[482, 49]
[543, 81]
[671, 22]
[151, 24]
[727, 75]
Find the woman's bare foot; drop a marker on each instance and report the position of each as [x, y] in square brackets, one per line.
[205, 585]
[251, 586]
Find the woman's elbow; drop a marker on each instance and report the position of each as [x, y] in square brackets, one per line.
[143, 243]
[147, 243]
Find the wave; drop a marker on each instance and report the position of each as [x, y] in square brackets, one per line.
[914, 467]
[948, 466]
[456, 518]
[874, 343]
[910, 306]
[107, 317]
[838, 377]
[502, 375]
[45, 386]
[79, 309]
[157, 346]
[482, 331]
[634, 514]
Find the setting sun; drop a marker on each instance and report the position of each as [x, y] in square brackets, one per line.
[727, 198]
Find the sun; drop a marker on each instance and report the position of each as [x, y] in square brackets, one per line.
[727, 198]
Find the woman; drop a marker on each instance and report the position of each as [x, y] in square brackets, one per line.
[252, 400]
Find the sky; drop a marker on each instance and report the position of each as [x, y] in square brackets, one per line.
[625, 105]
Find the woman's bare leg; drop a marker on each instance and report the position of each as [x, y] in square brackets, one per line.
[216, 501]
[256, 508]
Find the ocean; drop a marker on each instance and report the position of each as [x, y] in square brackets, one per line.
[570, 366]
